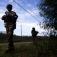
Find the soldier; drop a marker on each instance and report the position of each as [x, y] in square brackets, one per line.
[34, 34]
[10, 18]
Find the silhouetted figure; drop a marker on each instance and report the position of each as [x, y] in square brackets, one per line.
[34, 34]
[10, 18]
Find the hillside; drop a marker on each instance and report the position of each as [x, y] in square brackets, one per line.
[16, 38]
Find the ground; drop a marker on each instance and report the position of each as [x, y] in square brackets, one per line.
[43, 48]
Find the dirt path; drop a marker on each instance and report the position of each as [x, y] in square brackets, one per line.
[16, 43]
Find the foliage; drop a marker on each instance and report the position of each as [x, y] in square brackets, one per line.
[49, 12]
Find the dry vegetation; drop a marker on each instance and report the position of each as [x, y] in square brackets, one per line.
[43, 48]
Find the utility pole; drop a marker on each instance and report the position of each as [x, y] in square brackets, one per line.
[21, 31]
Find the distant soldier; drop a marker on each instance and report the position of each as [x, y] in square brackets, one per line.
[34, 34]
[10, 18]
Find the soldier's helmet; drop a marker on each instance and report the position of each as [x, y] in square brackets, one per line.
[9, 7]
[33, 28]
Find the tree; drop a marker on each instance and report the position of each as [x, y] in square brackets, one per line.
[49, 12]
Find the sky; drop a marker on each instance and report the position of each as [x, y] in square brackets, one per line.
[28, 16]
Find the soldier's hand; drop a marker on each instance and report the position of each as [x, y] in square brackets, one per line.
[3, 17]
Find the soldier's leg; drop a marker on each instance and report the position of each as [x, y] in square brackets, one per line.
[10, 39]
[7, 30]
[34, 40]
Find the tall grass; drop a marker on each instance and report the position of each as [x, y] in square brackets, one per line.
[43, 48]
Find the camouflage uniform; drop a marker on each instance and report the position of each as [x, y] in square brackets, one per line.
[10, 18]
[34, 34]
[10, 21]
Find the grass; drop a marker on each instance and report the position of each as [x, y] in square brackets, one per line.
[43, 48]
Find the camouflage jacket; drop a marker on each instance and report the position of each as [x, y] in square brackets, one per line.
[10, 18]
[34, 33]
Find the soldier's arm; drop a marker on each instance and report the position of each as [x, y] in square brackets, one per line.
[16, 16]
[3, 17]
[7, 13]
